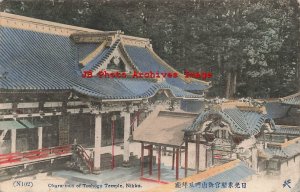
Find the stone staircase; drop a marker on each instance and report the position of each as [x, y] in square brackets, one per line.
[80, 160]
[79, 164]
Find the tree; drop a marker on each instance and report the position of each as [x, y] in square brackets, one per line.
[250, 46]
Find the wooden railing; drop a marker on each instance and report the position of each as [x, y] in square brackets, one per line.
[84, 156]
[34, 154]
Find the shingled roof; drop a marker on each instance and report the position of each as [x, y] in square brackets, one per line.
[291, 99]
[288, 130]
[242, 121]
[42, 59]
[284, 150]
[236, 173]
[146, 60]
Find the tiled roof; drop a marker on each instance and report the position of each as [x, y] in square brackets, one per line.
[145, 62]
[40, 61]
[276, 109]
[168, 124]
[284, 152]
[285, 129]
[100, 58]
[291, 99]
[233, 175]
[5, 125]
[233, 171]
[240, 121]
[84, 49]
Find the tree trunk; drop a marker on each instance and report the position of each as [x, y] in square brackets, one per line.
[298, 55]
[298, 68]
[219, 63]
[233, 84]
[221, 72]
[228, 87]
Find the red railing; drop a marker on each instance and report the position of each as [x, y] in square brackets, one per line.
[83, 154]
[34, 154]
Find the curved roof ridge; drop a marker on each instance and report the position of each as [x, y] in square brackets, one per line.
[293, 99]
[241, 122]
[101, 57]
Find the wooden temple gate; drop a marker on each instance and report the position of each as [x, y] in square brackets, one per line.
[175, 160]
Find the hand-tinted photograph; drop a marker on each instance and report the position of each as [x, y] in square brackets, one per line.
[149, 95]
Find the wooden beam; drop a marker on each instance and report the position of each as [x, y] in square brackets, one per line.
[173, 158]
[28, 115]
[201, 142]
[138, 118]
[5, 105]
[28, 105]
[52, 104]
[197, 152]
[142, 159]
[186, 154]
[113, 118]
[150, 159]
[177, 164]
[159, 162]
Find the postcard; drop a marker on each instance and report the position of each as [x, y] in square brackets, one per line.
[149, 95]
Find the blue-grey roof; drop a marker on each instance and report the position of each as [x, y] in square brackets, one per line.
[289, 130]
[84, 49]
[101, 57]
[145, 62]
[276, 109]
[40, 61]
[241, 121]
[236, 174]
[291, 99]
[284, 152]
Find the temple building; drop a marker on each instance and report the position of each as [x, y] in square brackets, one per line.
[47, 104]
[69, 99]
[239, 145]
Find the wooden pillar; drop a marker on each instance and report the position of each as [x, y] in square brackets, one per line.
[142, 159]
[126, 137]
[158, 163]
[113, 134]
[150, 159]
[186, 155]
[97, 149]
[135, 119]
[138, 119]
[173, 158]
[13, 138]
[197, 152]
[40, 137]
[202, 157]
[177, 164]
